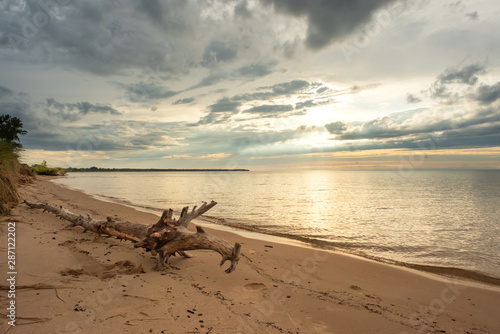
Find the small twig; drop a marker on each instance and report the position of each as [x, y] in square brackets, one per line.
[135, 322]
[37, 286]
[116, 315]
[58, 296]
[141, 297]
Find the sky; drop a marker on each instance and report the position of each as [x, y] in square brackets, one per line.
[264, 84]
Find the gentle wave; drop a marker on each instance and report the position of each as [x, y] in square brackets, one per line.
[360, 250]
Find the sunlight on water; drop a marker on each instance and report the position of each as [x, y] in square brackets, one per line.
[444, 218]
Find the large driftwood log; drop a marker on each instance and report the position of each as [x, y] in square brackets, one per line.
[166, 237]
[122, 230]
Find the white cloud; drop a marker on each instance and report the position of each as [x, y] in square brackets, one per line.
[214, 80]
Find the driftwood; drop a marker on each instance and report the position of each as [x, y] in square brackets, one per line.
[167, 237]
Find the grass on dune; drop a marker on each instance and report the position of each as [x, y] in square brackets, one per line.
[12, 172]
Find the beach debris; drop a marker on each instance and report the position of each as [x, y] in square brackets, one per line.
[165, 238]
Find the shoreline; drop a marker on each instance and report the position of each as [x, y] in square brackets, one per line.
[295, 240]
[68, 282]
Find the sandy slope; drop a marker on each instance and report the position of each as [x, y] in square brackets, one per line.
[69, 283]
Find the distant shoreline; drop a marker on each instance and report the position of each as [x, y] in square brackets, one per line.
[95, 169]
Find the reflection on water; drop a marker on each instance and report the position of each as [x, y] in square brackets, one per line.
[445, 218]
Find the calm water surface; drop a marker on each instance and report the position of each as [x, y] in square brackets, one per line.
[439, 218]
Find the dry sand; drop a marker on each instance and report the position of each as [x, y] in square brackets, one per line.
[67, 282]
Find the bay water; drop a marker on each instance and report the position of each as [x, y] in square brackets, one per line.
[441, 219]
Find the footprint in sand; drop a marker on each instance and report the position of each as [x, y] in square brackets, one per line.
[320, 327]
[255, 286]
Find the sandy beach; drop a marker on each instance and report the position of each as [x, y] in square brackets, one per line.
[68, 282]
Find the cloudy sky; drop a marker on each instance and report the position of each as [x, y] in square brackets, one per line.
[264, 84]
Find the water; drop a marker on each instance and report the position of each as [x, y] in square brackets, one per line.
[436, 218]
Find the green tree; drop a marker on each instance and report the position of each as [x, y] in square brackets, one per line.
[11, 128]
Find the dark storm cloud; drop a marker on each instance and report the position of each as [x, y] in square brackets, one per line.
[277, 90]
[379, 128]
[124, 37]
[486, 94]
[406, 128]
[219, 112]
[43, 131]
[309, 129]
[410, 99]
[441, 92]
[224, 109]
[103, 38]
[257, 70]
[291, 87]
[458, 83]
[305, 104]
[146, 91]
[249, 72]
[465, 75]
[186, 100]
[336, 128]
[214, 118]
[444, 87]
[210, 80]
[225, 43]
[322, 90]
[329, 20]
[269, 109]
[273, 111]
[240, 140]
[117, 135]
[241, 10]
[153, 9]
[20, 110]
[476, 126]
[150, 139]
[395, 125]
[473, 15]
[224, 105]
[217, 52]
[75, 111]
[4, 91]
[170, 16]
[129, 37]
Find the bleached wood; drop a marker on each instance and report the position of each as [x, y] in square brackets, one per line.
[166, 237]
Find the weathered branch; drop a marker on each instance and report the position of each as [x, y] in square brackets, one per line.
[122, 230]
[166, 237]
[184, 219]
[166, 220]
[177, 238]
